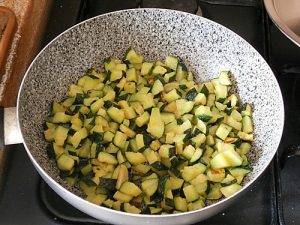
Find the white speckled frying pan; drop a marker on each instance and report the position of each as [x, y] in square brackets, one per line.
[203, 45]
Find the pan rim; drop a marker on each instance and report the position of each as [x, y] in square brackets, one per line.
[280, 24]
[83, 201]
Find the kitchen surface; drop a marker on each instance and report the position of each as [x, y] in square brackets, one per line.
[274, 199]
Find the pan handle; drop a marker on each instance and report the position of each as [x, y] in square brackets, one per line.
[10, 134]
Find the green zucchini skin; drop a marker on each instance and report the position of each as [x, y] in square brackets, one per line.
[145, 137]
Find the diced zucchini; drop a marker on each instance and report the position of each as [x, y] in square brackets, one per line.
[233, 100]
[108, 136]
[190, 172]
[223, 131]
[139, 139]
[56, 107]
[214, 192]
[201, 126]
[220, 90]
[183, 106]
[116, 114]
[133, 57]
[86, 169]
[65, 162]
[188, 152]
[220, 106]
[228, 158]
[171, 108]
[239, 174]
[221, 146]
[159, 70]
[60, 135]
[198, 140]
[145, 137]
[180, 204]
[244, 136]
[130, 188]
[230, 190]
[107, 158]
[97, 199]
[61, 117]
[97, 105]
[58, 150]
[174, 183]
[211, 98]
[166, 151]
[200, 99]
[180, 73]
[154, 210]
[167, 117]
[74, 89]
[224, 77]
[245, 147]
[236, 115]
[247, 111]
[247, 124]
[203, 113]
[108, 203]
[197, 154]
[141, 168]
[168, 76]
[112, 149]
[121, 66]
[210, 140]
[155, 125]
[155, 145]
[120, 157]
[207, 155]
[157, 87]
[149, 186]
[151, 156]
[129, 87]
[120, 139]
[190, 193]
[127, 131]
[186, 125]
[78, 136]
[200, 183]
[199, 204]
[85, 149]
[146, 99]
[171, 62]
[146, 68]
[229, 179]
[131, 209]
[122, 197]
[116, 173]
[142, 119]
[233, 123]
[171, 96]
[215, 175]
[131, 75]
[122, 176]
[135, 158]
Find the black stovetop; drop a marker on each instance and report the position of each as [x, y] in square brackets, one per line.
[275, 197]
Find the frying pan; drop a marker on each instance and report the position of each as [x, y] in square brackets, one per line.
[286, 16]
[203, 45]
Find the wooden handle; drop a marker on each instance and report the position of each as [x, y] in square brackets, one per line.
[8, 25]
[31, 21]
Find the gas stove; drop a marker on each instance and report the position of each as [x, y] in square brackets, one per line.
[274, 199]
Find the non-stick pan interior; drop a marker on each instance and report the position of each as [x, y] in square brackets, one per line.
[203, 45]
